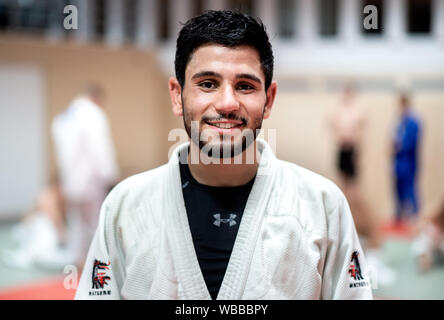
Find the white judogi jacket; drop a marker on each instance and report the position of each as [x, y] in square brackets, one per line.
[296, 240]
[85, 152]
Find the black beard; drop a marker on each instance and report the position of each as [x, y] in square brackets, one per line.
[218, 150]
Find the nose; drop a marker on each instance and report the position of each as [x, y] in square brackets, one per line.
[227, 100]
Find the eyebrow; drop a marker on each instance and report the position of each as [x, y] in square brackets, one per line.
[206, 74]
[217, 75]
[249, 76]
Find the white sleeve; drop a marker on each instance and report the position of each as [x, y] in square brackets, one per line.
[346, 273]
[102, 274]
[102, 148]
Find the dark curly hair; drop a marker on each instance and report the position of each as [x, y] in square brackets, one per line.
[226, 28]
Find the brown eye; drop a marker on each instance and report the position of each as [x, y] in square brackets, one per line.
[207, 85]
[245, 87]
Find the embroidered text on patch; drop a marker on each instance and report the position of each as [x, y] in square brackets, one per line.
[356, 272]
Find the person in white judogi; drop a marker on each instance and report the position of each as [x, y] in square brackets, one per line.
[224, 218]
[86, 163]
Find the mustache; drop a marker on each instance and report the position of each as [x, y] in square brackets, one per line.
[228, 116]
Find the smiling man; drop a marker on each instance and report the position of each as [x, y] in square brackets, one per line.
[233, 222]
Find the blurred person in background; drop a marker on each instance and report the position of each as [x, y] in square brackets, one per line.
[347, 121]
[87, 165]
[405, 163]
[40, 237]
[428, 246]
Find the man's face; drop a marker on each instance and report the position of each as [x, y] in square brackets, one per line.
[404, 104]
[224, 96]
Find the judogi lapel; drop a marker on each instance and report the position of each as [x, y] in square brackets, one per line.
[184, 257]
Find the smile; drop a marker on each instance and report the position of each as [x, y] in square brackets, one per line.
[225, 124]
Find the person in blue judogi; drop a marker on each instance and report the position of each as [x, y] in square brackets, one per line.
[406, 145]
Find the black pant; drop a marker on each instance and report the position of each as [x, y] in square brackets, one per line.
[347, 162]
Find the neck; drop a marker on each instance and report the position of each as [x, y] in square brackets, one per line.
[228, 172]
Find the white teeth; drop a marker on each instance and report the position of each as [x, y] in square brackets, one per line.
[224, 125]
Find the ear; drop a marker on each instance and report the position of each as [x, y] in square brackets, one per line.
[271, 94]
[176, 96]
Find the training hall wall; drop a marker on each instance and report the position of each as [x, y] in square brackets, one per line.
[136, 102]
[139, 110]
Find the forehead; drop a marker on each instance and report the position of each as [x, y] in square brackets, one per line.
[223, 60]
